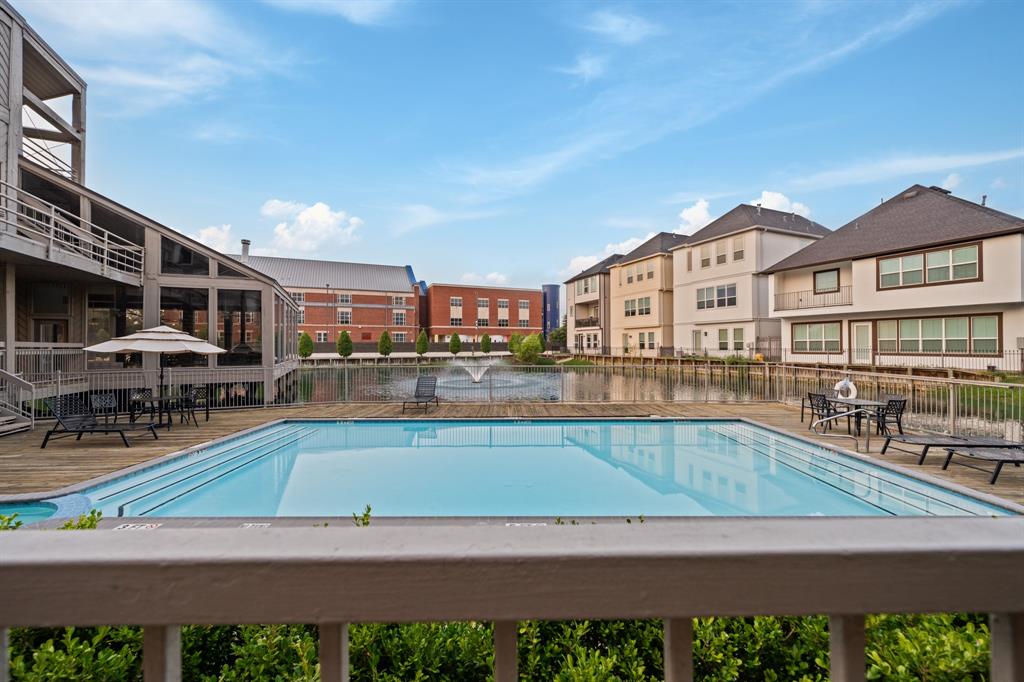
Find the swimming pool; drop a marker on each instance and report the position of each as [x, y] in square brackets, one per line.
[517, 468]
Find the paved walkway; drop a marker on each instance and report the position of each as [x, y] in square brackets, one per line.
[25, 468]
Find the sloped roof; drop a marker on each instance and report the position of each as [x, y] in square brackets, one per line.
[745, 217]
[915, 218]
[600, 266]
[663, 242]
[305, 273]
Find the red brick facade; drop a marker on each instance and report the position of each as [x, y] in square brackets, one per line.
[440, 311]
[369, 313]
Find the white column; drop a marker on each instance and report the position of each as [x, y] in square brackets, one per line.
[678, 650]
[1007, 647]
[334, 652]
[506, 651]
[161, 653]
[846, 648]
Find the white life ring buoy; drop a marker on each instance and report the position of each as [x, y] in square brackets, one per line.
[846, 389]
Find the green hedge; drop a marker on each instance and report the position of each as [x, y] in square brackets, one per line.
[902, 648]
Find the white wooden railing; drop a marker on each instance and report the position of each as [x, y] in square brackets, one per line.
[17, 397]
[33, 217]
[673, 571]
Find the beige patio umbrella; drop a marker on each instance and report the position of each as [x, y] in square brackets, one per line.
[162, 340]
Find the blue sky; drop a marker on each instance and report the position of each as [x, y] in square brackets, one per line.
[510, 142]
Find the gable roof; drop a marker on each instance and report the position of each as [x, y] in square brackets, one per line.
[598, 267]
[663, 242]
[915, 218]
[318, 274]
[745, 217]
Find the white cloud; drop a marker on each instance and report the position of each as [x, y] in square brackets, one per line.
[694, 217]
[999, 183]
[887, 169]
[952, 181]
[780, 202]
[586, 67]
[624, 29]
[363, 12]
[578, 264]
[151, 54]
[496, 279]
[417, 216]
[307, 228]
[217, 237]
[219, 132]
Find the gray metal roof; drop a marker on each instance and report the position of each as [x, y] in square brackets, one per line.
[915, 218]
[302, 273]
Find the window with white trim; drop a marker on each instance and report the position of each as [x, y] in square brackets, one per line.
[398, 318]
[630, 307]
[720, 254]
[298, 296]
[455, 301]
[705, 298]
[483, 303]
[502, 304]
[817, 337]
[939, 266]
[977, 334]
[723, 339]
[737, 338]
[343, 299]
[398, 300]
[301, 319]
[502, 321]
[725, 295]
[524, 305]
[629, 275]
[650, 269]
[398, 337]
[455, 322]
[483, 322]
[643, 306]
[738, 250]
[705, 256]
[321, 337]
[524, 323]
[344, 317]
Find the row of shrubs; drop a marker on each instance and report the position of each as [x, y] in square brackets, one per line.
[525, 349]
[942, 647]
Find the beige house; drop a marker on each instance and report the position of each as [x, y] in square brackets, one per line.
[720, 297]
[641, 300]
[925, 278]
[588, 302]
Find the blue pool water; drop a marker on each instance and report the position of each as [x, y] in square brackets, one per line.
[521, 468]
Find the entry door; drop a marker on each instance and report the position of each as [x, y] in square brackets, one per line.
[862, 342]
[696, 340]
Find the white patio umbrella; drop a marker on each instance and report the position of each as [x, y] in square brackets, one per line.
[162, 340]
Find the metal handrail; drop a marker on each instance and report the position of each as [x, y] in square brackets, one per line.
[856, 443]
[44, 156]
[797, 300]
[31, 216]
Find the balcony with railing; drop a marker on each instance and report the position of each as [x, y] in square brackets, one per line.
[800, 300]
[592, 321]
[35, 227]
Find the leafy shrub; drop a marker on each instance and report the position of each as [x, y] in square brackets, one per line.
[455, 345]
[513, 343]
[344, 344]
[305, 345]
[530, 349]
[485, 343]
[9, 522]
[384, 345]
[422, 345]
[88, 521]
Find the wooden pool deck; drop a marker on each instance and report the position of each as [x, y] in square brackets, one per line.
[25, 468]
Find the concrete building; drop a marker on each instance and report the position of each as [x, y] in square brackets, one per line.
[588, 298]
[720, 299]
[472, 311]
[641, 297]
[361, 298]
[925, 278]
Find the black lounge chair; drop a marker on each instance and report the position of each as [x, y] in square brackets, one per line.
[1000, 456]
[426, 393]
[74, 419]
[940, 441]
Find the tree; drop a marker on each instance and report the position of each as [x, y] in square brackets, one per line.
[557, 337]
[530, 349]
[422, 345]
[305, 345]
[485, 344]
[384, 345]
[455, 345]
[344, 344]
[513, 343]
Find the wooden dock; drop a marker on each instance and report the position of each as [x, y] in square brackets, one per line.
[25, 468]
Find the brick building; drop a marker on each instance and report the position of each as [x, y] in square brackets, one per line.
[472, 311]
[362, 298]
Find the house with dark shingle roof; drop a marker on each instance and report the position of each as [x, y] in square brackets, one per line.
[588, 307]
[720, 296]
[925, 278]
[641, 297]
